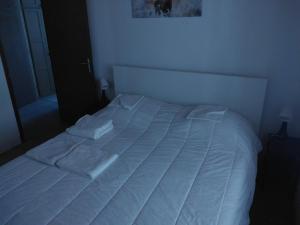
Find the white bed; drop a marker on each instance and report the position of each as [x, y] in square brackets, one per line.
[243, 94]
[171, 170]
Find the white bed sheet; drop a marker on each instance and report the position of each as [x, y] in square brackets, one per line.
[170, 171]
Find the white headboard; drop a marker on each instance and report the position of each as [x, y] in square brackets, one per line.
[244, 95]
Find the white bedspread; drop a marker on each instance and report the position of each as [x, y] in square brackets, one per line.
[170, 171]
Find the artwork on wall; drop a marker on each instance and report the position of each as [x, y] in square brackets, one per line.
[166, 8]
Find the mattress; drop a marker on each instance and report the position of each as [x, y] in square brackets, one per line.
[170, 171]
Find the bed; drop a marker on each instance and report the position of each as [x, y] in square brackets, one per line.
[171, 170]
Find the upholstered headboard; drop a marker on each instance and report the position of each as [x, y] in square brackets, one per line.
[242, 94]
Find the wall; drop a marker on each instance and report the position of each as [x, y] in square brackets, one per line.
[9, 133]
[17, 52]
[256, 38]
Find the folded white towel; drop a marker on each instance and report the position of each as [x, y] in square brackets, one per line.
[208, 112]
[87, 161]
[130, 101]
[54, 149]
[91, 127]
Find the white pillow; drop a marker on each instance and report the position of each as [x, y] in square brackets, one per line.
[208, 112]
[129, 102]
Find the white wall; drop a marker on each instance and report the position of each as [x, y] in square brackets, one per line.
[257, 37]
[9, 133]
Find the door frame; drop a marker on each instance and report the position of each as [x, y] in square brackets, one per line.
[12, 94]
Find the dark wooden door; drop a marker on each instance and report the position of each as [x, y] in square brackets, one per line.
[67, 31]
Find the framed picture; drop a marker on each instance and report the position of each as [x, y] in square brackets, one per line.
[166, 8]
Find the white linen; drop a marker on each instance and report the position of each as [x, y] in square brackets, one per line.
[87, 160]
[91, 127]
[54, 149]
[170, 171]
[209, 112]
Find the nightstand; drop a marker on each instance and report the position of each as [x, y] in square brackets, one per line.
[281, 172]
[282, 160]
